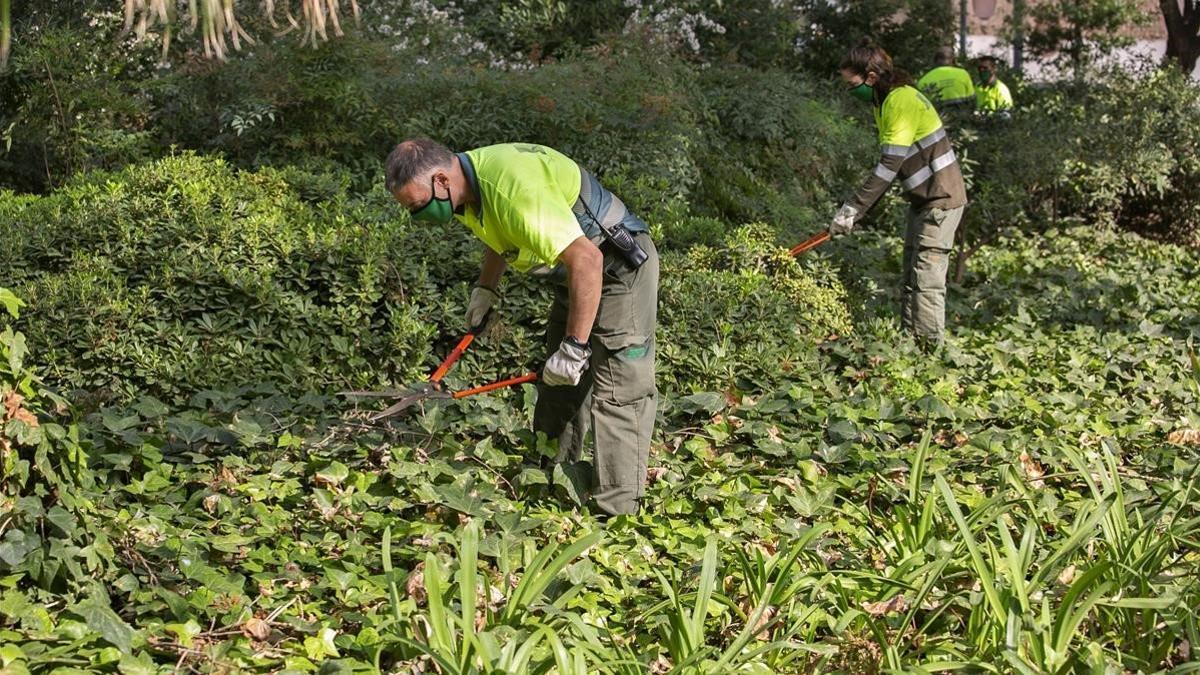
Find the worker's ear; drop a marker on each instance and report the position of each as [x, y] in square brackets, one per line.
[871, 78]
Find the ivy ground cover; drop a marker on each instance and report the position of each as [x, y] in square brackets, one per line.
[1023, 501]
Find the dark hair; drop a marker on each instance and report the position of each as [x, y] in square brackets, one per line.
[868, 57]
[944, 56]
[413, 157]
[986, 58]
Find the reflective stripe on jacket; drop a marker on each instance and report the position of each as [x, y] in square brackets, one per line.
[914, 148]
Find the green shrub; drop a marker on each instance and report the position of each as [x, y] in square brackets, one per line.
[73, 101]
[775, 150]
[1121, 152]
[184, 274]
[744, 313]
[44, 475]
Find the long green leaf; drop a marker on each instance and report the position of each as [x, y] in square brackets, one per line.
[540, 575]
[708, 580]
[986, 578]
[393, 587]
[441, 638]
[916, 475]
[467, 560]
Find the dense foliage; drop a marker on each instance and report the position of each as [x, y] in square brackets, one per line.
[1029, 499]
[198, 257]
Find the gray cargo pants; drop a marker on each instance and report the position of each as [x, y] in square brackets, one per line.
[927, 245]
[616, 397]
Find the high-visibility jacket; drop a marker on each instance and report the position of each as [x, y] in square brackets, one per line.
[535, 202]
[948, 86]
[915, 149]
[994, 97]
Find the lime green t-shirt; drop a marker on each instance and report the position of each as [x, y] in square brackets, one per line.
[948, 84]
[526, 192]
[994, 98]
[905, 118]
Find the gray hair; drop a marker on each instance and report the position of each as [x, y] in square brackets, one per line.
[413, 157]
[944, 56]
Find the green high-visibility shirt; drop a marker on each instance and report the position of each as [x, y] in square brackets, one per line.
[526, 192]
[949, 85]
[993, 98]
[914, 148]
[905, 117]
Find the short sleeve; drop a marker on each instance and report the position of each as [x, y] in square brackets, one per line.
[543, 224]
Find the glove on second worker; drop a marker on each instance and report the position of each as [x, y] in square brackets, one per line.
[843, 221]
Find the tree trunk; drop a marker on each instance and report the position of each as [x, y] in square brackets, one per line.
[5, 31]
[1183, 32]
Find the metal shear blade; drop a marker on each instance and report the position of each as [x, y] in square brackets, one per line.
[426, 391]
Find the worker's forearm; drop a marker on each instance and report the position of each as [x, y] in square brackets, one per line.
[584, 281]
[877, 183]
[493, 268]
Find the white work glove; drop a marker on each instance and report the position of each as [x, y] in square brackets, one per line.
[482, 300]
[565, 367]
[843, 221]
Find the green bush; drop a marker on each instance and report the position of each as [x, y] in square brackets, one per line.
[44, 474]
[1121, 152]
[74, 100]
[744, 313]
[184, 274]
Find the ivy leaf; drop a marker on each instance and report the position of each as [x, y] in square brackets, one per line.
[142, 664]
[334, 474]
[574, 479]
[16, 545]
[17, 349]
[707, 401]
[100, 618]
[11, 302]
[935, 408]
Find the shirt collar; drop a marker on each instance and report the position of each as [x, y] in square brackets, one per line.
[472, 179]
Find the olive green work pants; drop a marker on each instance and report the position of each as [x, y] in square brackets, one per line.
[616, 398]
[927, 245]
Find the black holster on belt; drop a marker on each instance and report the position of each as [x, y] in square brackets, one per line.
[622, 241]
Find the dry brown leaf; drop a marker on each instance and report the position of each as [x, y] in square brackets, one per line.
[210, 503]
[1033, 470]
[1184, 437]
[661, 665]
[12, 403]
[257, 629]
[884, 607]
[416, 584]
[14, 411]
[830, 557]
[655, 474]
[761, 628]
[1067, 576]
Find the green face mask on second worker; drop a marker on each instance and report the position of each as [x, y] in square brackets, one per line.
[863, 92]
[438, 210]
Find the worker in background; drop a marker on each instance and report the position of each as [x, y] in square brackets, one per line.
[914, 148]
[947, 85]
[539, 212]
[992, 96]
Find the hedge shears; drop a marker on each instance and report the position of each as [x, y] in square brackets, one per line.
[809, 244]
[434, 388]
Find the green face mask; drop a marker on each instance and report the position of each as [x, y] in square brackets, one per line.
[863, 92]
[987, 77]
[437, 211]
